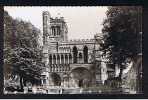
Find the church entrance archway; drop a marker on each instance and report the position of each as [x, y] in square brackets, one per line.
[81, 77]
[56, 79]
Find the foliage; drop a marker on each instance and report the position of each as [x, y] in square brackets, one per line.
[121, 34]
[22, 53]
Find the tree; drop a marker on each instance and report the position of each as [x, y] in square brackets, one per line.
[25, 64]
[22, 54]
[121, 34]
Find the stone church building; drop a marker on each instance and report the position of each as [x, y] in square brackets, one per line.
[69, 63]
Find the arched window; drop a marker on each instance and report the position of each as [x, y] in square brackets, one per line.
[85, 53]
[70, 58]
[66, 59]
[54, 59]
[62, 59]
[54, 31]
[58, 59]
[58, 30]
[50, 59]
[75, 51]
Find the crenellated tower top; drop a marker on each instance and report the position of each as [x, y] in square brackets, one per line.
[54, 29]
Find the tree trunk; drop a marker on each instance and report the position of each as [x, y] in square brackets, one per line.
[21, 82]
[120, 74]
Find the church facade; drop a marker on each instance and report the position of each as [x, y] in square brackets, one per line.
[69, 63]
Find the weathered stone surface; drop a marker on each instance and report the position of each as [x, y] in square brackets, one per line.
[63, 57]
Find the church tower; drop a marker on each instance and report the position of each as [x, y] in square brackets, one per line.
[46, 33]
[46, 27]
[55, 31]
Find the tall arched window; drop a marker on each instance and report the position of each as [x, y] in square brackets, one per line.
[58, 59]
[50, 59]
[85, 53]
[70, 58]
[54, 31]
[62, 59]
[54, 59]
[58, 30]
[75, 51]
[66, 59]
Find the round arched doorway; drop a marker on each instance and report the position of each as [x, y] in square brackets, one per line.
[80, 77]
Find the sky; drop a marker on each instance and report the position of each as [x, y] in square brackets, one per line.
[83, 22]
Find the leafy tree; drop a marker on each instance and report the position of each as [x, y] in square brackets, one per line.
[121, 34]
[24, 63]
[22, 53]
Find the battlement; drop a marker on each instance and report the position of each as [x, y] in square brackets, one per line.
[82, 40]
[57, 19]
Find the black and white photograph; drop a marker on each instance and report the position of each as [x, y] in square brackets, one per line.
[72, 50]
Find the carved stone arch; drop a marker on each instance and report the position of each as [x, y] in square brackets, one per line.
[58, 59]
[82, 77]
[54, 59]
[50, 59]
[75, 52]
[86, 45]
[58, 30]
[85, 53]
[54, 30]
[66, 58]
[70, 58]
[62, 59]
